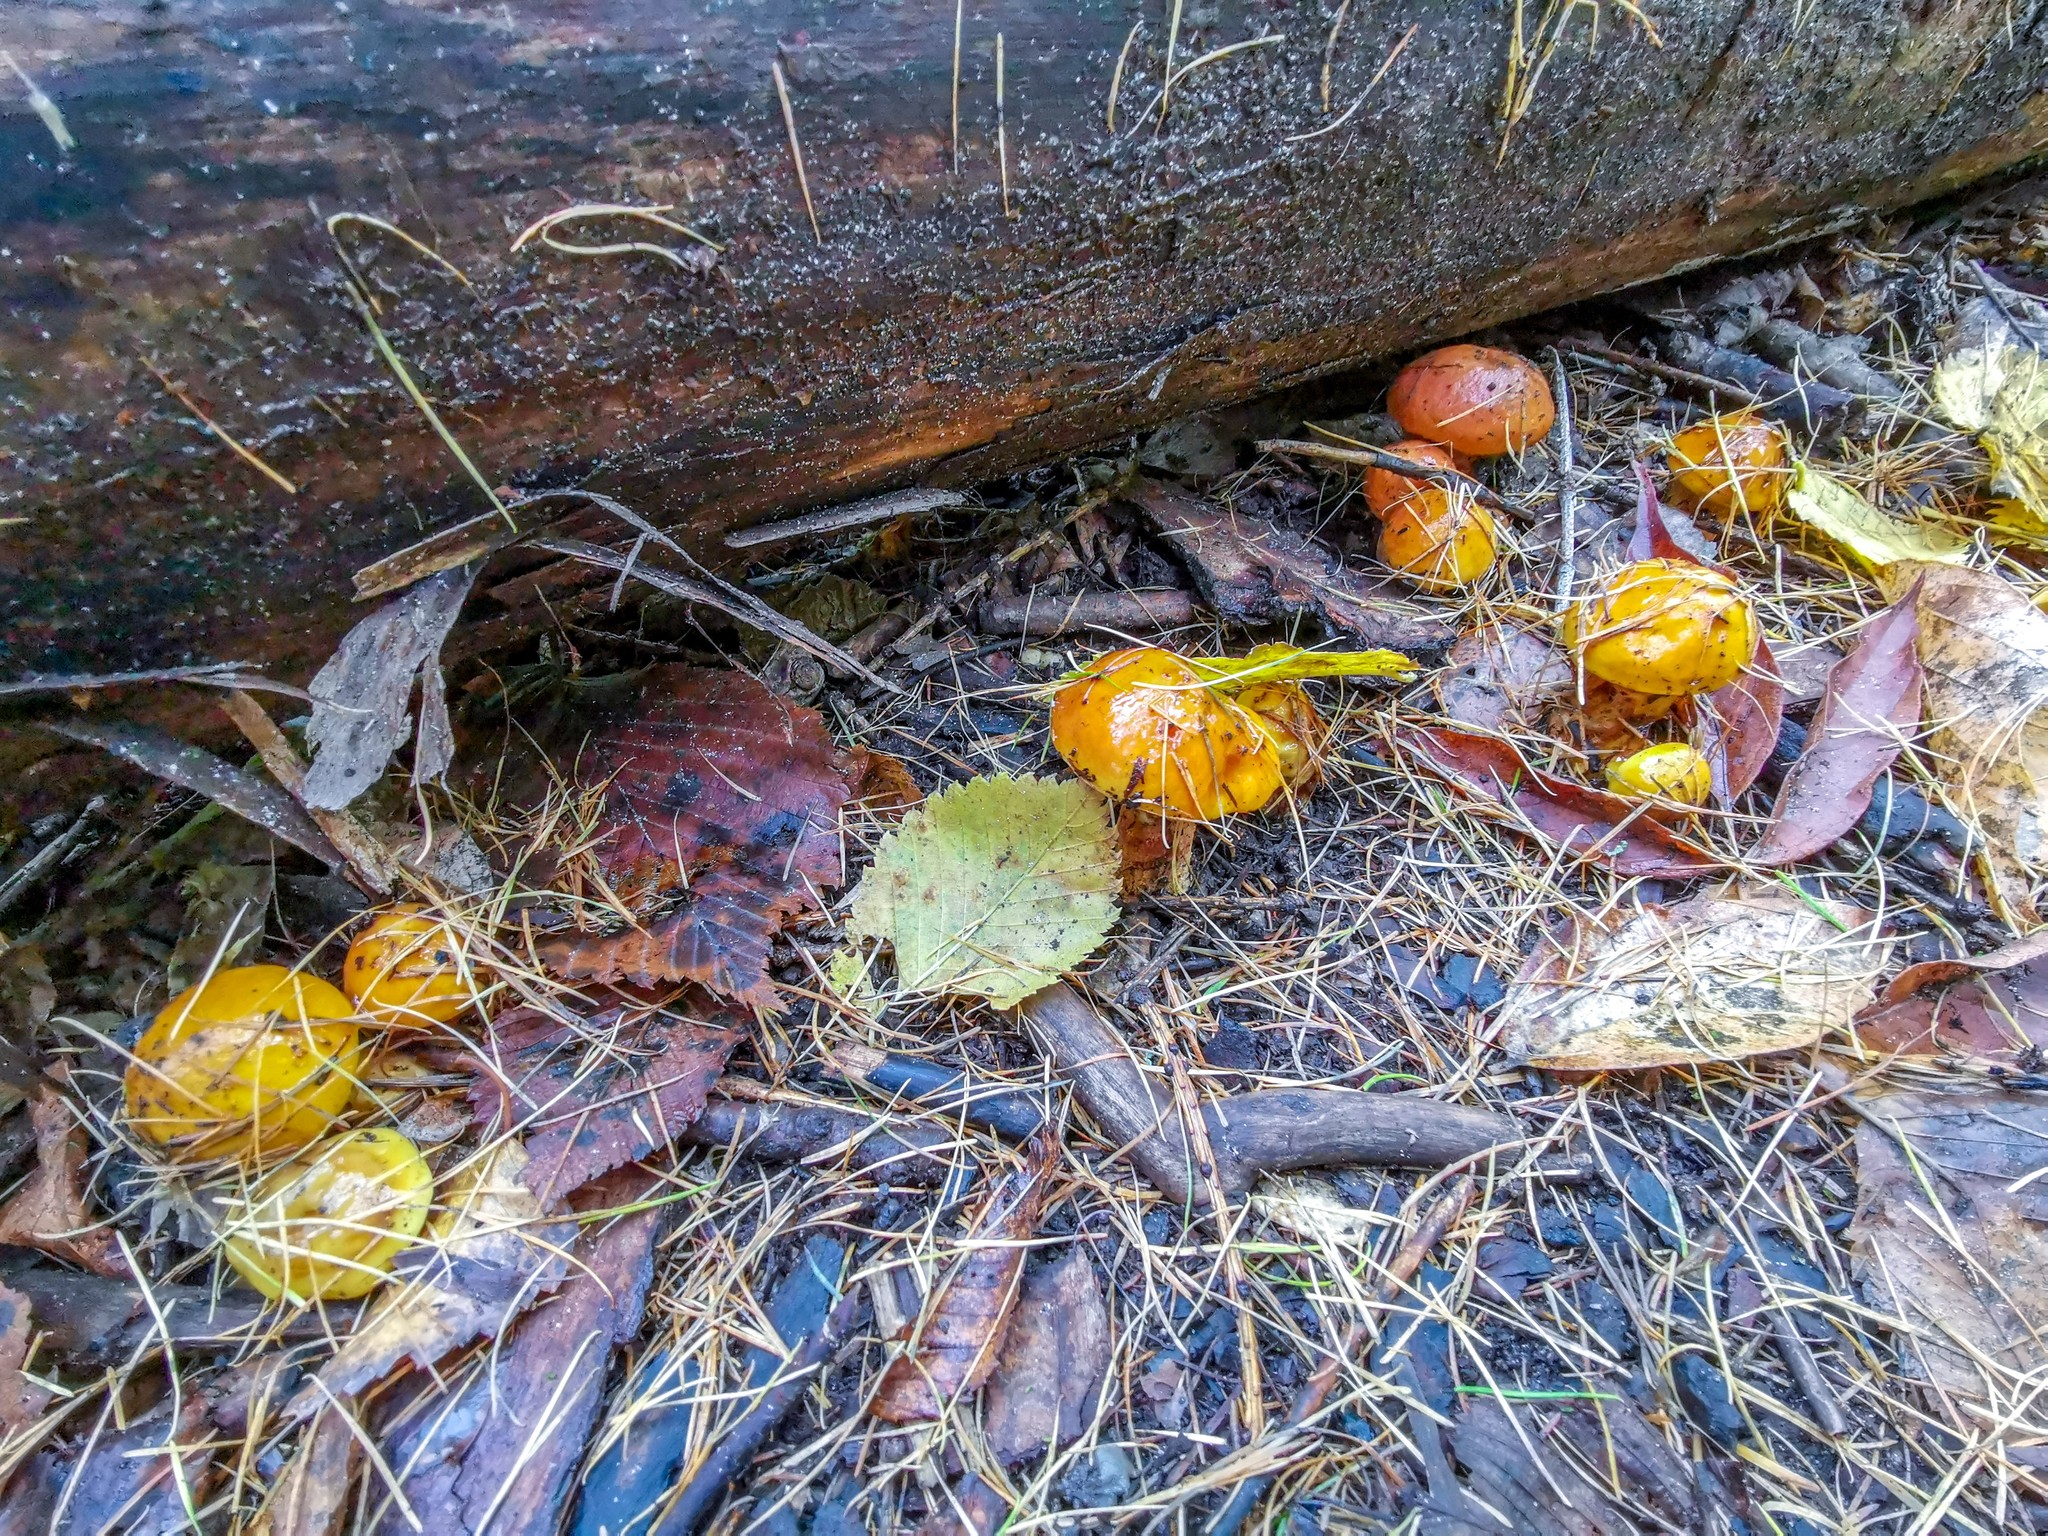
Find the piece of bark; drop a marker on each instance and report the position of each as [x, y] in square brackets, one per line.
[311, 1496]
[48, 1212]
[1006, 1109]
[20, 1399]
[1253, 573]
[1834, 360]
[1803, 403]
[953, 1347]
[903, 1152]
[1048, 1378]
[1270, 1131]
[1136, 612]
[504, 1456]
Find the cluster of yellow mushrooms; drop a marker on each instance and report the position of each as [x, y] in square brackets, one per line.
[1150, 728]
[258, 1066]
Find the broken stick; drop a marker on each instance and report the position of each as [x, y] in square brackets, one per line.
[1269, 1131]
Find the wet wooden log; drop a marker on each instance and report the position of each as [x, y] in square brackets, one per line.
[203, 443]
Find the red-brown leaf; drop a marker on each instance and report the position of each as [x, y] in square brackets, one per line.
[721, 820]
[965, 1316]
[1590, 823]
[1870, 706]
[1993, 1007]
[1737, 726]
[48, 1212]
[592, 1099]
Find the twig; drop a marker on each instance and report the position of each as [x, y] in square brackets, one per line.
[1435, 1223]
[1330, 48]
[1374, 458]
[366, 858]
[713, 592]
[796, 153]
[1002, 131]
[959, 22]
[1648, 365]
[1036, 617]
[1567, 490]
[851, 514]
[49, 856]
[1116, 76]
[249, 455]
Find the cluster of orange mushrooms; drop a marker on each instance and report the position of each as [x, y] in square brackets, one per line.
[257, 1068]
[1187, 739]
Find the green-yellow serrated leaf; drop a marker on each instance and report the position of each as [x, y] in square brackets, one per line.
[992, 888]
[1876, 538]
[1286, 663]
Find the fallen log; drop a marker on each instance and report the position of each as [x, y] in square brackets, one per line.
[206, 438]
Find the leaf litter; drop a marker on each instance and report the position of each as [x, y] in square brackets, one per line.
[1725, 1217]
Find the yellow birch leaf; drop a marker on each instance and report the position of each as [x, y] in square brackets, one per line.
[992, 888]
[2001, 395]
[1876, 538]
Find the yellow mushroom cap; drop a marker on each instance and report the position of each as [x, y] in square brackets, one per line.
[1663, 627]
[327, 1224]
[1671, 771]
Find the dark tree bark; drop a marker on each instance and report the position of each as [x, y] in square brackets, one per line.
[1202, 254]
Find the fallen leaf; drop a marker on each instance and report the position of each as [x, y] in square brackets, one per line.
[953, 1347]
[224, 914]
[1296, 663]
[362, 696]
[1716, 978]
[1048, 1377]
[1736, 726]
[2000, 393]
[1499, 679]
[21, 1401]
[721, 820]
[1991, 1009]
[1876, 538]
[883, 786]
[588, 1100]
[48, 1212]
[489, 1252]
[1869, 709]
[992, 888]
[1590, 823]
[1984, 653]
[1252, 572]
[503, 1456]
[1950, 1240]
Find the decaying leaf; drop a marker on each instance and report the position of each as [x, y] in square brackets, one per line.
[1949, 1236]
[1055, 1353]
[1736, 726]
[953, 1348]
[1984, 654]
[21, 1401]
[586, 1101]
[225, 905]
[1876, 538]
[1716, 978]
[504, 1454]
[48, 1212]
[311, 1496]
[362, 697]
[1590, 823]
[1500, 679]
[2000, 393]
[1868, 711]
[1991, 1010]
[1253, 572]
[721, 821]
[490, 1251]
[992, 888]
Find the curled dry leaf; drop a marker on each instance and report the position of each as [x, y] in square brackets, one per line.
[21, 1401]
[721, 821]
[1717, 978]
[1992, 1009]
[1984, 653]
[49, 1212]
[1254, 572]
[1870, 707]
[488, 1254]
[504, 1455]
[1951, 1238]
[1048, 1377]
[1589, 823]
[993, 887]
[588, 1100]
[1876, 538]
[953, 1347]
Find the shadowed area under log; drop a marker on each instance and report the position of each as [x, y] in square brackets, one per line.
[1201, 253]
